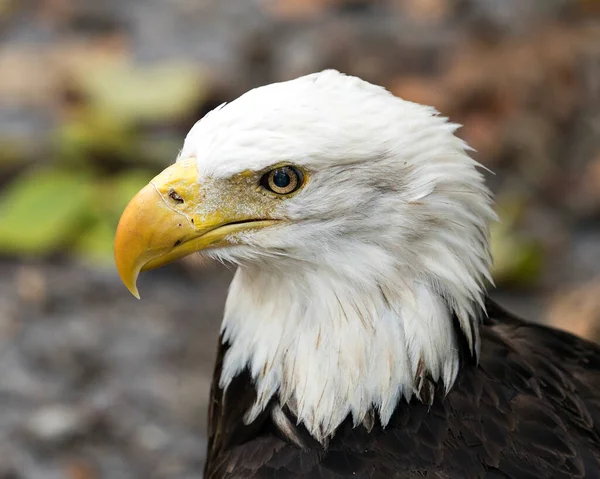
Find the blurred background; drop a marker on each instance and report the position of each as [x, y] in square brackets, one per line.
[96, 97]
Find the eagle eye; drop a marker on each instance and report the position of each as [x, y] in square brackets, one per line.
[282, 180]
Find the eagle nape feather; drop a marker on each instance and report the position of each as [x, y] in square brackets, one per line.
[358, 339]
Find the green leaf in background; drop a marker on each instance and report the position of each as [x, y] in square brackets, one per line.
[42, 210]
[133, 94]
[110, 198]
[518, 260]
[95, 245]
[93, 133]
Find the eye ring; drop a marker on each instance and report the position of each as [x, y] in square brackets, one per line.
[282, 180]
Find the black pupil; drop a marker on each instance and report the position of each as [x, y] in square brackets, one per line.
[281, 178]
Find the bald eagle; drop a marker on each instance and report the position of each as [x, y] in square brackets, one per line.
[358, 340]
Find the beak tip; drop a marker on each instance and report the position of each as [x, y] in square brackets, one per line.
[132, 287]
[129, 274]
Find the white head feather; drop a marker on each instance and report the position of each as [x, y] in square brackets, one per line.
[342, 310]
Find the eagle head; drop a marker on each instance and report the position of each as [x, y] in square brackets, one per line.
[360, 227]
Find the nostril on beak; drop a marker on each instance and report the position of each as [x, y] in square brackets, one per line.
[175, 196]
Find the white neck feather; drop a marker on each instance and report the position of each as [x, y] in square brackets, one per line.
[332, 346]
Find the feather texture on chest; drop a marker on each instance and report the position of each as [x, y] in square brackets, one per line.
[335, 347]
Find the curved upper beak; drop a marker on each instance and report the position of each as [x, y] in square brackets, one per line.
[152, 231]
[167, 220]
[148, 232]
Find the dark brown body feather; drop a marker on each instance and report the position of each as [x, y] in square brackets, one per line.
[529, 410]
